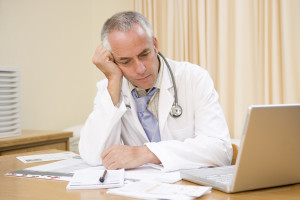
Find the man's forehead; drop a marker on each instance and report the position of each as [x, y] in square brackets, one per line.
[131, 43]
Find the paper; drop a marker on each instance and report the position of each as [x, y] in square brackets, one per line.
[64, 169]
[89, 179]
[46, 157]
[41, 175]
[61, 170]
[147, 172]
[155, 166]
[154, 190]
[63, 166]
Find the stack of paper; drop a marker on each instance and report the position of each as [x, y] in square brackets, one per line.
[9, 102]
[144, 182]
[61, 170]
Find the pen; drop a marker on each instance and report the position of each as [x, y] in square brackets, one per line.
[101, 179]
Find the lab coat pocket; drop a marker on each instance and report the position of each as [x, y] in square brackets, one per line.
[182, 133]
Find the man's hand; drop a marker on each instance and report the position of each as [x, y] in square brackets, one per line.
[123, 156]
[104, 61]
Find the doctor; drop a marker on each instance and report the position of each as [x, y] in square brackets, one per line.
[120, 134]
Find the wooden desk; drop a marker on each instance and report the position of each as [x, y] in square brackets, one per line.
[35, 140]
[12, 188]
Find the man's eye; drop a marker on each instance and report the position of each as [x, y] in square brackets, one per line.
[125, 63]
[145, 54]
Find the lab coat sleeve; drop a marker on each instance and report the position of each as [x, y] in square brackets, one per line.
[210, 143]
[102, 128]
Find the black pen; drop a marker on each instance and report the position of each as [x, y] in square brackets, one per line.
[101, 179]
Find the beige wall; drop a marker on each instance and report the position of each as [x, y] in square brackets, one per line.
[52, 42]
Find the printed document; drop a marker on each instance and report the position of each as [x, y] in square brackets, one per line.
[46, 157]
[60, 170]
[155, 190]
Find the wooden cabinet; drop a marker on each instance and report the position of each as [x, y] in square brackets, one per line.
[35, 140]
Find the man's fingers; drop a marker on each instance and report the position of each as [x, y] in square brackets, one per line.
[102, 56]
[112, 166]
[108, 157]
[122, 156]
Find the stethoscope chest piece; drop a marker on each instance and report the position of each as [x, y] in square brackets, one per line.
[176, 110]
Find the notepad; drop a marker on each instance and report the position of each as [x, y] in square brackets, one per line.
[89, 179]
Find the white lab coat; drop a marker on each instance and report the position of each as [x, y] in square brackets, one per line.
[198, 138]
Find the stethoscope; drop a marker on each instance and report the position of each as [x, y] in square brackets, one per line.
[176, 109]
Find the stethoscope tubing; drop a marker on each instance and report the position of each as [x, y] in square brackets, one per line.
[176, 109]
[172, 76]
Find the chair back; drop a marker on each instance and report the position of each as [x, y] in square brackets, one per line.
[234, 155]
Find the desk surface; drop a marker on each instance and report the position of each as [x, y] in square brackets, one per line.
[12, 188]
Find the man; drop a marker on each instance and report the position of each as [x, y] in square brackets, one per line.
[117, 133]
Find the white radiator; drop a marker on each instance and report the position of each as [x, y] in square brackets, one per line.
[9, 102]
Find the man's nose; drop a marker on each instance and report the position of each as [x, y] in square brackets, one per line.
[139, 67]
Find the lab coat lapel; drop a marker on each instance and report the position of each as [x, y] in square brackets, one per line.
[166, 100]
[127, 94]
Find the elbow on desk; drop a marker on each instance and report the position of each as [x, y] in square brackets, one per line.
[89, 157]
[91, 160]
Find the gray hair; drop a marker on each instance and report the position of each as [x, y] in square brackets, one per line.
[124, 21]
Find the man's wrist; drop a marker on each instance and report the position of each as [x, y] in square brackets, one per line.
[114, 89]
[151, 157]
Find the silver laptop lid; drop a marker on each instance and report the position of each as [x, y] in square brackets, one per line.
[268, 154]
[270, 148]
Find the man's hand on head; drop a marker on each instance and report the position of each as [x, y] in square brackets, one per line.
[123, 156]
[104, 61]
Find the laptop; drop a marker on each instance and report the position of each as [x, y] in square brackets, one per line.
[269, 153]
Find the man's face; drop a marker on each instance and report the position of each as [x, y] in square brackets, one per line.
[136, 56]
